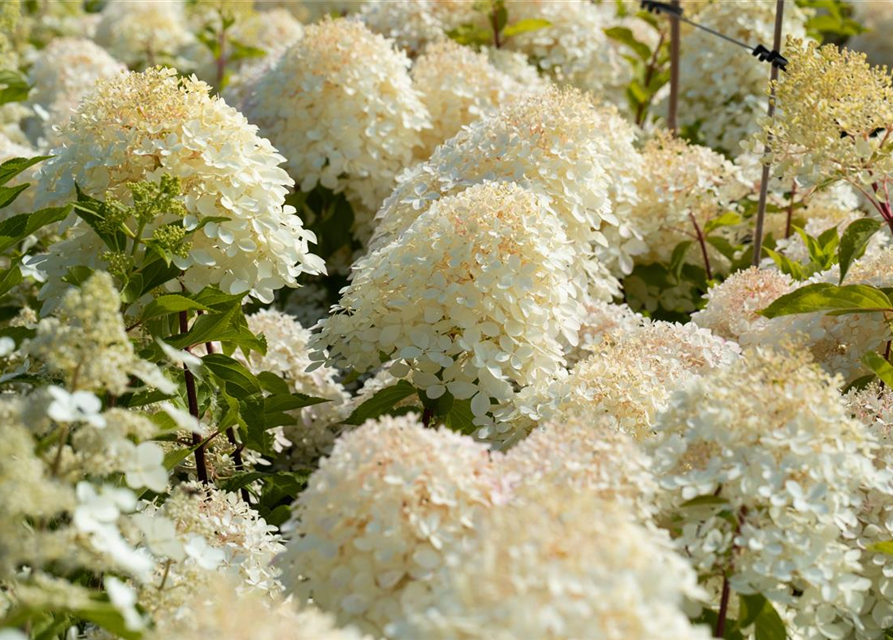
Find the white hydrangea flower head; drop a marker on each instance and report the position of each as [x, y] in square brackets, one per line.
[219, 527]
[591, 457]
[553, 143]
[219, 611]
[458, 86]
[602, 321]
[877, 18]
[62, 74]
[733, 306]
[724, 90]
[768, 439]
[414, 24]
[574, 49]
[25, 202]
[143, 33]
[629, 378]
[556, 564]
[515, 64]
[273, 31]
[340, 105]
[86, 341]
[316, 427]
[473, 297]
[143, 126]
[681, 188]
[381, 514]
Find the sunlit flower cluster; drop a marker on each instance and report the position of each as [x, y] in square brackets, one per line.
[413, 24]
[472, 298]
[559, 564]
[62, 74]
[458, 86]
[380, 516]
[341, 107]
[602, 321]
[723, 93]
[147, 125]
[768, 441]
[145, 33]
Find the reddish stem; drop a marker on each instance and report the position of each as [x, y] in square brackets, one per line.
[703, 244]
[192, 398]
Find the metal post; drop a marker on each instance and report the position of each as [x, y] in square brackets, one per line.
[764, 182]
[673, 108]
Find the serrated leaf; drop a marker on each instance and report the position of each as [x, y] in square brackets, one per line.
[786, 265]
[881, 368]
[15, 229]
[210, 327]
[240, 382]
[381, 402]
[11, 168]
[525, 26]
[460, 417]
[15, 87]
[9, 278]
[854, 241]
[9, 194]
[625, 36]
[290, 402]
[727, 219]
[826, 297]
[173, 303]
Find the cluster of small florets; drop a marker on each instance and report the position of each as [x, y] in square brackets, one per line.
[724, 93]
[831, 104]
[287, 356]
[573, 49]
[558, 564]
[629, 378]
[555, 144]
[458, 86]
[143, 34]
[766, 469]
[682, 187]
[473, 297]
[340, 105]
[413, 24]
[62, 74]
[145, 126]
[380, 516]
[602, 321]
[218, 610]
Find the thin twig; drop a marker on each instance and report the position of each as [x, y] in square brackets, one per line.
[192, 398]
[675, 45]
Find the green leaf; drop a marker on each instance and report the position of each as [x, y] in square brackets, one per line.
[768, 625]
[625, 36]
[460, 418]
[678, 258]
[471, 35]
[210, 327]
[11, 168]
[854, 241]
[9, 194]
[173, 303]
[858, 384]
[883, 547]
[525, 26]
[18, 334]
[9, 278]
[15, 229]
[826, 297]
[91, 211]
[176, 456]
[290, 402]
[15, 87]
[880, 366]
[241, 51]
[238, 380]
[727, 219]
[105, 615]
[786, 265]
[273, 383]
[380, 403]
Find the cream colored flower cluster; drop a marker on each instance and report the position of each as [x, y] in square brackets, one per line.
[831, 104]
[380, 516]
[573, 50]
[62, 74]
[630, 377]
[414, 24]
[315, 427]
[591, 457]
[723, 91]
[86, 343]
[341, 106]
[474, 298]
[558, 564]
[877, 19]
[682, 187]
[143, 33]
[142, 126]
[219, 611]
[768, 441]
[602, 321]
[556, 143]
[458, 86]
